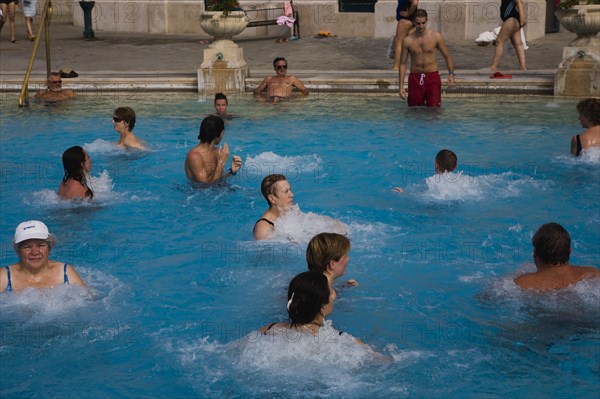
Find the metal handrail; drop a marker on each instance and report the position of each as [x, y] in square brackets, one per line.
[45, 27]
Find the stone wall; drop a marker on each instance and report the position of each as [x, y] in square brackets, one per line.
[457, 20]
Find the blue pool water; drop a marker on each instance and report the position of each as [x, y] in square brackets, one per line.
[177, 284]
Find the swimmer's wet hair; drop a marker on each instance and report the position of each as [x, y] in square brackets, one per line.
[127, 114]
[73, 159]
[267, 187]
[221, 96]
[311, 293]
[446, 160]
[552, 244]
[324, 248]
[590, 108]
[210, 128]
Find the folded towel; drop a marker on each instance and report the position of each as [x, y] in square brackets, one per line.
[283, 20]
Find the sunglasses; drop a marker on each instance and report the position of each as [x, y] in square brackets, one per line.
[56, 81]
[116, 119]
[281, 66]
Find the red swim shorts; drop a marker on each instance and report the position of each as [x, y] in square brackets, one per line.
[425, 89]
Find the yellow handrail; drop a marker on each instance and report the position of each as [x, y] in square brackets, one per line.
[44, 26]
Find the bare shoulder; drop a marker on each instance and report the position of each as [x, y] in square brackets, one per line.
[524, 279]
[589, 271]
[271, 327]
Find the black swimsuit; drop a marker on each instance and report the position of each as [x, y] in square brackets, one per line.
[268, 328]
[578, 151]
[266, 220]
[508, 9]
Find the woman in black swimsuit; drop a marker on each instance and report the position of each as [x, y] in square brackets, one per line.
[278, 193]
[512, 13]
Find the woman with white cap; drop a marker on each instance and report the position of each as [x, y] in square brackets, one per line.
[33, 243]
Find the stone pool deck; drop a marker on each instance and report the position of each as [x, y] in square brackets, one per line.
[131, 61]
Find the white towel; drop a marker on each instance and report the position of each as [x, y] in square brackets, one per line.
[490, 36]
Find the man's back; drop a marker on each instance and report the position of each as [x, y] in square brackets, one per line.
[556, 277]
[201, 163]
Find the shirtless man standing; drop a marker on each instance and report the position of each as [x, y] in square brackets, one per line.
[551, 252]
[205, 162]
[54, 92]
[424, 83]
[280, 86]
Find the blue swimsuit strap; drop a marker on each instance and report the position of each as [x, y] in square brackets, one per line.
[9, 285]
[66, 277]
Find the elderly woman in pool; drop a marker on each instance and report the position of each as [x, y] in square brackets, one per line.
[124, 121]
[77, 165]
[33, 244]
[278, 193]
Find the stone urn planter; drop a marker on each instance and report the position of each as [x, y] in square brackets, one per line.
[223, 67]
[223, 27]
[578, 75]
[584, 21]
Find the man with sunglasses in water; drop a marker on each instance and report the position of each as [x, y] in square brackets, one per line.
[280, 86]
[54, 92]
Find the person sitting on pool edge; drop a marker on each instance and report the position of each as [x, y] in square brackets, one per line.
[54, 91]
[328, 253]
[77, 165]
[589, 116]
[33, 244]
[205, 162]
[124, 122]
[446, 161]
[551, 252]
[280, 86]
[278, 193]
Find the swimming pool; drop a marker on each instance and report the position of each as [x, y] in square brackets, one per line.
[177, 281]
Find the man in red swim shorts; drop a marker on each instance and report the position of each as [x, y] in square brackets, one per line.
[424, 83]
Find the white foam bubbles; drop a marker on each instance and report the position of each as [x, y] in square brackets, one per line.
[268, 162]
[297, 226]
[100, 146]
[461, 187]
[102, 187]
[591, 156]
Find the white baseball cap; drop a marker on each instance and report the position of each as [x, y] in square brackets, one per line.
[31, 229]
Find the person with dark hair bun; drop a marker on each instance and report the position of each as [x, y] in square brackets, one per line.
[551, 253]
[309, 301]
[77, 165]
[205, 163]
